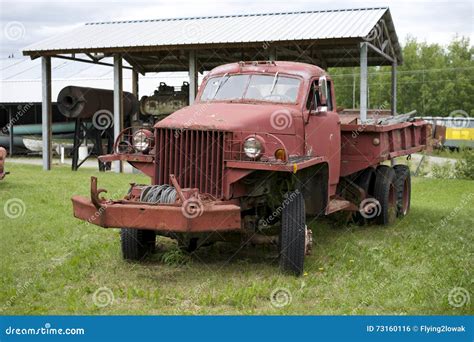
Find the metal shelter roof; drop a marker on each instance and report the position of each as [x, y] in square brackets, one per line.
[20, 78]
[326, 38]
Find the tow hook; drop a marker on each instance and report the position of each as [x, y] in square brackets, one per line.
[95, 199]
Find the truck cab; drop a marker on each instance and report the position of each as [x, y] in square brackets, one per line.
[261, 149]
[271, 115]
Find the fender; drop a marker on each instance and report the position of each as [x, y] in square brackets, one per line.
[292, 166]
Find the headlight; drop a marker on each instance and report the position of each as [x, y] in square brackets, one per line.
[142, 140]
[252, 148]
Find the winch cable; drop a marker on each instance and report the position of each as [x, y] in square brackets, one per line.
[165, 194]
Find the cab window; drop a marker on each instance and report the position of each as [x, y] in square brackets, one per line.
[329, 99]
[314, 101]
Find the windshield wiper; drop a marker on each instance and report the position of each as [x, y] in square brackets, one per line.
[221, 82]
[274, 83]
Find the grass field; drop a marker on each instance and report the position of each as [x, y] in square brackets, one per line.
[52, 263]
[445, 153]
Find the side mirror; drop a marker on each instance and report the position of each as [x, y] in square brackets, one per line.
[323, 90]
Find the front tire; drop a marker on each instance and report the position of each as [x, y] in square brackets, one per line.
[293, 234]
[137, 243]
[188, 245]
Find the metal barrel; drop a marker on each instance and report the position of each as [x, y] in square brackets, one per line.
[82, 102]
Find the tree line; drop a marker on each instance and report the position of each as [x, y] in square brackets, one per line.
[433, 80]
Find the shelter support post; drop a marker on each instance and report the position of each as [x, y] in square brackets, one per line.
[135, 118]
[272, 54]
[353, 88]
[10, 126]
[46, 111]
[135, 79]
[363, 82]
[118, 104]
[193, 76]
[394, 88]
[135, 83]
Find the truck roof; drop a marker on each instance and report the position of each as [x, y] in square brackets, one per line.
[300, 69]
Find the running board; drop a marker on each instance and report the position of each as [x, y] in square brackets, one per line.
[340, 204]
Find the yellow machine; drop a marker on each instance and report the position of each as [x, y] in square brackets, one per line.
[459, 131]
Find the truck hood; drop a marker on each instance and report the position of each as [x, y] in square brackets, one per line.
[271, 118]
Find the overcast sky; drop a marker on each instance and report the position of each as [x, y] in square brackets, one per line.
[25, 22]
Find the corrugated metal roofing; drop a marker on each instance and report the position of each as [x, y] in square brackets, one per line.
[271, 27]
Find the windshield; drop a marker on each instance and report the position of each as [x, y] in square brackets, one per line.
[273, 88]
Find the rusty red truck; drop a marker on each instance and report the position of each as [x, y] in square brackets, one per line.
[261, 149]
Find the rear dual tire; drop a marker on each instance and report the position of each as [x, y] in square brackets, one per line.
[403, 186]
[385, 193]
[391, 195]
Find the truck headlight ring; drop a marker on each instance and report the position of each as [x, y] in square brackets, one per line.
[142, 140]
[253, 147]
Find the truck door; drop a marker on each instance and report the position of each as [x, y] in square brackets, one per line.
[322, 129]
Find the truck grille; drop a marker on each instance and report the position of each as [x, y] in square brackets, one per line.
[196, 158]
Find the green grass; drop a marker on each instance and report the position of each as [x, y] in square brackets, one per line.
[52, 263]
[445, 153]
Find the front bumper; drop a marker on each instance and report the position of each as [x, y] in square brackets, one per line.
[211, 215]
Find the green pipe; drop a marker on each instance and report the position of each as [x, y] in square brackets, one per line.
[59, 127]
